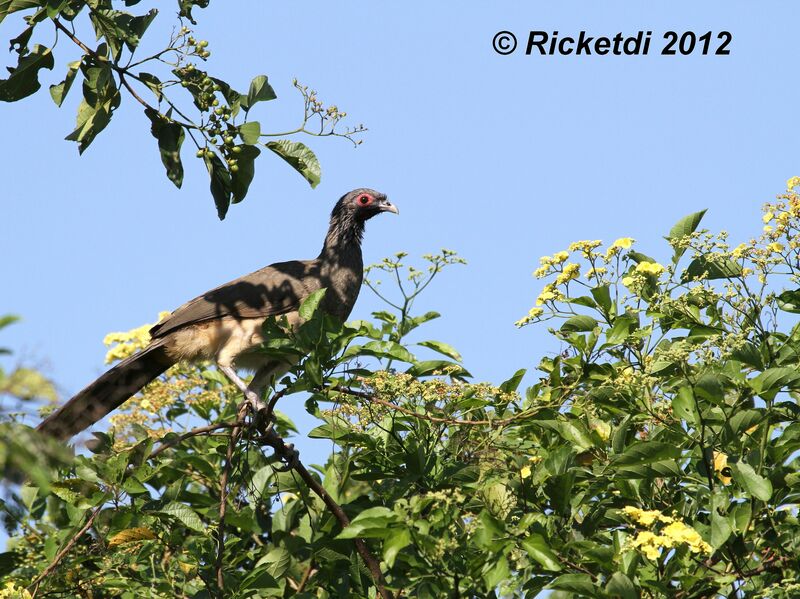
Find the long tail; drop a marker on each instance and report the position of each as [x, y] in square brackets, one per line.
[107, 393]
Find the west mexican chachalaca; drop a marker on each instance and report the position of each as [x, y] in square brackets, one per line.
[225, 324]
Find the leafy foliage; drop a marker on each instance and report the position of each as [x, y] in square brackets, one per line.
[117, 65]
[655, 456]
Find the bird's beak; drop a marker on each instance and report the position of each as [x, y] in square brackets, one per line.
[387, 206]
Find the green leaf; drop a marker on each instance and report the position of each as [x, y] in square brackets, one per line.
[774, 379]
[512, 384]
[789, 301]
[388, 349]
[9, 561]
[602, 296]
[685, 406]
[620, 330]
[620, 585]
[310, 305]
[579, 324]
[92, 119]
[574, 432]
[24, 79]
[170, 136]
[8, 319]
[394, 544]
[755, 484]
[277, 561]
[250, 132]
[715, 269]
[301, 158]
[720, 525]
[153, 83]
[260, 91]
[575, 583]
[538, 549]
[371, 523]
[497, 573]
[442, 348]
[184, 514]
[685, 226]
[646, 452]
[220, 183]
[9, 6]
[241, 179]
[60, 91]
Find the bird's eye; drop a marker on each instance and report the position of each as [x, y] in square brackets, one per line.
[365, 200]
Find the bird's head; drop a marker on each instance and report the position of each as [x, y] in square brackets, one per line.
[362, 204]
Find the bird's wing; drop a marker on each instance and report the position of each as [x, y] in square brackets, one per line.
[271, 291]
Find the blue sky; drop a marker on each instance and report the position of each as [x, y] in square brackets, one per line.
[502, 158]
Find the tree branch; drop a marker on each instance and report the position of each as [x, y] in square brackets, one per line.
[49, 569]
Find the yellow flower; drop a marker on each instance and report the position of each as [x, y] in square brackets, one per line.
[541, 271]
[649, 543]
[560, 257]
[533, 313]
[627, 281]
[678, 533]
[768, 216]
[650, 268]
[645, 517]
[767, 228]
[596, 272]
[747, 271]
[12, 591]
[525, 472]
[623, 243]
[585, 246]
[571, 271]
[792, 183]
[739, 250]
[544, 296]
[776, 247]
[721, 467]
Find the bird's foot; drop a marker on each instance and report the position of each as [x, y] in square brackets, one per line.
[250, 393]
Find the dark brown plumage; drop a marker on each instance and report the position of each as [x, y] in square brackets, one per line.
[224, 324]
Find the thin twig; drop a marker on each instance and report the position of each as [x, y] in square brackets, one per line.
[223, 497]
[46, 572]
[188, 434]
[306, 576]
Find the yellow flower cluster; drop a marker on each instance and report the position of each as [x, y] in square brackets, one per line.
[549, 262]
[596, 272]
[126, 344]
[623, 243]
[12, 591]
[584, 246]
[532, 315]
[792, 183]
[571, 271]
[650, 268]
[675, 533]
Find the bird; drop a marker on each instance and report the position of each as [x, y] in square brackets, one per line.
[225, 324]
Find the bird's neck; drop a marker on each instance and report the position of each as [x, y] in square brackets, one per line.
[343, 241]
